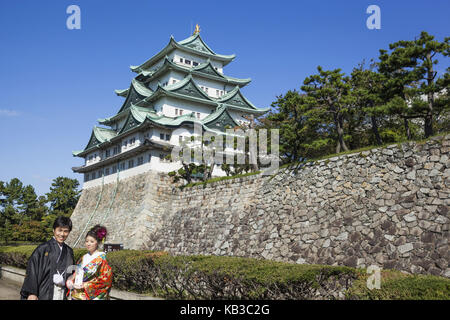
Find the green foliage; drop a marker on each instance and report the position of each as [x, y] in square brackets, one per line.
[399, 286]
[410, 74]
[221, 179]
[25, 217]
[63, 196]
[398, 97]
[222, 277]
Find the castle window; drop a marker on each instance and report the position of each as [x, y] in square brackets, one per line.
[140, 161]
[107, 172]
[176, 112]
[174, 81]
[187, 61]
[181, 60]
[195, 63]
[114, 168]
[107, 153]
[167, 137]
[122, 166]
[181, 112]
[130, 164]
[161, 136]
[198, 115]
[86, 177]
[93, 175]
[115, 150]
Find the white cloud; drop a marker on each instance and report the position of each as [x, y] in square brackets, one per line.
[9, 113]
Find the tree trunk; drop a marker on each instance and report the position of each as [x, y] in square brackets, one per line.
[428, 125]
[188, 172]
[340, 132]
[429, 117]
[408, 131]
[254, 155]
[375, 130]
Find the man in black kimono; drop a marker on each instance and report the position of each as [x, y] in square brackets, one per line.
[46, 270]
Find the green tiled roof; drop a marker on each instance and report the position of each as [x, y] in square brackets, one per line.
[218, 121]
[98, 136]
[193, 44]
[137, 109]
[202, 70]
[122, 93]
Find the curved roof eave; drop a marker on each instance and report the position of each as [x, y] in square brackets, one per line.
[122, 93]
[176, 45]
[233, 93]
[194, 37]
[168, 64]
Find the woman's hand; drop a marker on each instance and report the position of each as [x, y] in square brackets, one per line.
[77, 286]
[69, 283]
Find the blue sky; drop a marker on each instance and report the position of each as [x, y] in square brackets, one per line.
[55, 82]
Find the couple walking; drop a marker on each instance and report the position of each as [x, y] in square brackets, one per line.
[49, 271]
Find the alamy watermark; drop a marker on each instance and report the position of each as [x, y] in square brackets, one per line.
[374, 20]
[74, 20]
[234, 147]
[374, 281]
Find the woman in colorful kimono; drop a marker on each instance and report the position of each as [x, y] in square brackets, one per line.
[93, 279]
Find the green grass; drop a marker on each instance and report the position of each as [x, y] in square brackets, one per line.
[193, 184]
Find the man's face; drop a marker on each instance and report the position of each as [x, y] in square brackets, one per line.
[61, 234]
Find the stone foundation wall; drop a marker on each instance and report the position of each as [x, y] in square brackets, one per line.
[387, 206]
[131, 210]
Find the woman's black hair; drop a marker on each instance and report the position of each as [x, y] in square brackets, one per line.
[97, 232]
[63, 222]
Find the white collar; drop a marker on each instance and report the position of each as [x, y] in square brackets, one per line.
[87, 258]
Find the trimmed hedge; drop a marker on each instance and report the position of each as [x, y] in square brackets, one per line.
[221, 277]
[400, 286]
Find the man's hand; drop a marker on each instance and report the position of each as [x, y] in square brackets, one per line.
[32, 297]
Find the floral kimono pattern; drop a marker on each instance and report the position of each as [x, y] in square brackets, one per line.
[97, 280]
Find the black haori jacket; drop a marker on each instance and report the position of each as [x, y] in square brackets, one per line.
[42, 265]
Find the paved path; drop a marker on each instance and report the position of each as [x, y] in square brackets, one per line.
[9, 290]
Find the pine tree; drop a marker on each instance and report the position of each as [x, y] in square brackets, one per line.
[330, 90]
[63, 196]
[411, 75]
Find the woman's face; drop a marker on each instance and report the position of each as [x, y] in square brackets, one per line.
[91, 244]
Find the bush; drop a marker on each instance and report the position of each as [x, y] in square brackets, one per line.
[396, 285]
[221, 277]
[17, 256]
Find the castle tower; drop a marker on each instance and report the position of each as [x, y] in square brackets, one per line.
[182, 85]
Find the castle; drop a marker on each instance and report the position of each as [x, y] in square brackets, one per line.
[181, 86]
